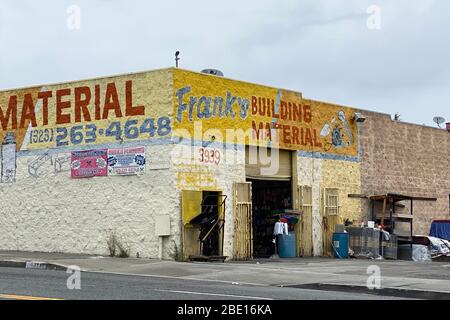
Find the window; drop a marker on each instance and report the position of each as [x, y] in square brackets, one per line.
[331, 202]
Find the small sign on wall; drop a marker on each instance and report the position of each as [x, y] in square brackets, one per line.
[126, 161]
[87, 164]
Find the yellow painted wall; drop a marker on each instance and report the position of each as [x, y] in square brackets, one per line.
[345, 176]
[207, 106]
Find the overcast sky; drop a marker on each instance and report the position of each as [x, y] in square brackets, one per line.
[322, 48]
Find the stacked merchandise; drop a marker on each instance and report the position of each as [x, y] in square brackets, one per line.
[267, 201]
[365, 242]
[263, 222]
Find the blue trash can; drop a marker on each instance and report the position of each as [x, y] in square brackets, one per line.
[287, 245]
[340, 245]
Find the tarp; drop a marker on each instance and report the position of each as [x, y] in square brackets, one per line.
[421, 253]
[439, 246]
[440, 229]
[436, 248]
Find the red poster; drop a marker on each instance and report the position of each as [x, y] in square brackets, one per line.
[89, 163]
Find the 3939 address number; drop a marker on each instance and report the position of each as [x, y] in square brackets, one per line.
[212, 156]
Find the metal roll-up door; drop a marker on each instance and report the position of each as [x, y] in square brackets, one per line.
[261, 163]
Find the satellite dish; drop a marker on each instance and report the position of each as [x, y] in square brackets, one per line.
[439, 121]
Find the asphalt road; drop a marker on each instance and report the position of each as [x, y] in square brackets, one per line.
[18, 283]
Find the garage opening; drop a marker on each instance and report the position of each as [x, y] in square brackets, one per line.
[268, 198]
[271, 194]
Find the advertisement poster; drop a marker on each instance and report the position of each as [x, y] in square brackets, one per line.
[126, 161]
[90, 163]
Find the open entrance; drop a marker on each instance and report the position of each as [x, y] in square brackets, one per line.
[269, 198]
[209, 223]
[203, 219]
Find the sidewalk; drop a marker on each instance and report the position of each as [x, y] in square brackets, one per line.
[316, 273]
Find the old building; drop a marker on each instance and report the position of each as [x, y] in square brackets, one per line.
[158, 160]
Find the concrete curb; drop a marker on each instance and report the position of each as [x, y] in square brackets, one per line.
[393, 292]
[30, 264]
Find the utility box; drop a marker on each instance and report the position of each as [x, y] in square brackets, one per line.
[162, 225]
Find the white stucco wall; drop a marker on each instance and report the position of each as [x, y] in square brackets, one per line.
[50, 212]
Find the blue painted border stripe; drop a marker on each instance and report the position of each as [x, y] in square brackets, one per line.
[186, 142]
[326, 156]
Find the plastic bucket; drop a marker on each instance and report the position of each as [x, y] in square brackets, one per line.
[287, 246]
[340, 245]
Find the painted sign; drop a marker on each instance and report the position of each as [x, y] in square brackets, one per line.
[90, 163]
[219, 109]
[126, 161]
[136, 107]
[8, 160]
[102, 111]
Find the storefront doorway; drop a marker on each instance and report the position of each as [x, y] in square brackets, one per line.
[268, 198]
[209, 223]
[203, 224]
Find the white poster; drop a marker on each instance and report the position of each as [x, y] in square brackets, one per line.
[126, 161]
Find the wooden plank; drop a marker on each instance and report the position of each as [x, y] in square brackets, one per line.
[307, 245]
[398, 216]
[384, 211]
[358, 196]
[242, 221]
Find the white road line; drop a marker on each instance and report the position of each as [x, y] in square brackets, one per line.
[214, 294]
[179, 278]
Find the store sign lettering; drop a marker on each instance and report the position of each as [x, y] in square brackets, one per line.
[101, 112]
[291, 119]
[207, 107]
[67, 112]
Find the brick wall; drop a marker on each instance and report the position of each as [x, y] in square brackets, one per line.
[408, 159]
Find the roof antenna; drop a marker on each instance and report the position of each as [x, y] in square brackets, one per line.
[177, 58]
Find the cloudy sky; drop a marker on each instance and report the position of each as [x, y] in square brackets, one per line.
[323, 48]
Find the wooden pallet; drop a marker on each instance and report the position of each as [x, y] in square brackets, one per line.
[202, 258]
